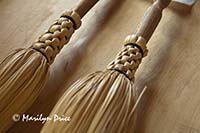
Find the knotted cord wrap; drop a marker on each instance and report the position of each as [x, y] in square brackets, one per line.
[58, 34]
[129, 59]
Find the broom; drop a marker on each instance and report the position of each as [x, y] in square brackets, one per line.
[105, 101]
[24, 72]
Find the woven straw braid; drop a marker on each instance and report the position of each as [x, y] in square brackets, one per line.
[58, 34]
[128, 60]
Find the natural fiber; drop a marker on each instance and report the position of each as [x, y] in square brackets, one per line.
[24, 72]
[102, 101]
[22, 76]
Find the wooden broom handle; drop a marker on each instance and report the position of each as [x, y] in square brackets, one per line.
[151, 19]
[84, 6]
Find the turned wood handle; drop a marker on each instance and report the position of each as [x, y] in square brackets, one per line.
[151, 19]
[84, 6]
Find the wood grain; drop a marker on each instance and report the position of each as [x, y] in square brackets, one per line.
[171, 69]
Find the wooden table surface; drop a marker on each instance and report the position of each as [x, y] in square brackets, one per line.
[171, 70]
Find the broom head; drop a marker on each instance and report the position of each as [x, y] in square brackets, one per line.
[102, 101]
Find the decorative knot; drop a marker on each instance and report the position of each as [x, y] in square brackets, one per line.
[52, 41]
[129, 59]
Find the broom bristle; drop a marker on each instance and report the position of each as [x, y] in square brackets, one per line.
[102, 101]
[22, 76]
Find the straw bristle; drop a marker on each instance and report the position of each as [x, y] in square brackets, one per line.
[22, 75]
[100, 102]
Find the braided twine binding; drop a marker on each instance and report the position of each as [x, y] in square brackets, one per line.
[58, 34]
[129, 59]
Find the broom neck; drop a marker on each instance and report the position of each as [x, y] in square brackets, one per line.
[59, 33]
[151, 19]
[84, 6]
[129, 59]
